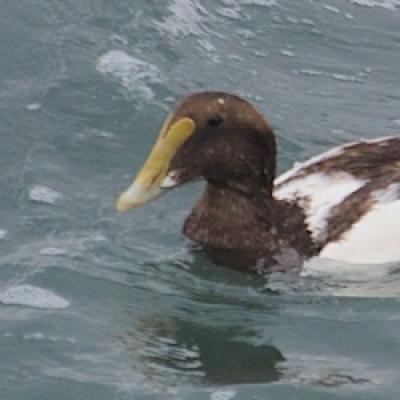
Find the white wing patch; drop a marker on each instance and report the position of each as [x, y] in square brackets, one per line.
[318, 193]
[375, 238]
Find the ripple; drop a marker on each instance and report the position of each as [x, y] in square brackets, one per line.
[333, 372]
[32, 296]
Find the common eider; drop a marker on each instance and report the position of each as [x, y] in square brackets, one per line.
[343, 204]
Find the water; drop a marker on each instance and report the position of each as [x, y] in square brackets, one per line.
[94, 305]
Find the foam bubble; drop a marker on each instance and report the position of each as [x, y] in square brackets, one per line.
[134, 74]
[44, 194]
[32, 296]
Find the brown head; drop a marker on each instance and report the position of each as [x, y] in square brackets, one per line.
[212, 135]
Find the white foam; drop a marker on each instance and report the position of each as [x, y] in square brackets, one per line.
[287, 53]
[39, 336]
[331, 8]
[311, 72]
[118, 39]
[267, 3]
[34, 336]
[185, 18]
[52, 251]
[190, 18]
[44, 194]
[388, 4]
[33, 107]
[32, 296]
[223, 395]
[3, 233]
[346, 78]
[133, 73]
[335, 76]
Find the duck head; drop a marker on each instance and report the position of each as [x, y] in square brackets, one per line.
[212, 135]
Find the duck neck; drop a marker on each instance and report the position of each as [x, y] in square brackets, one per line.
[238, 229]
[224, 216]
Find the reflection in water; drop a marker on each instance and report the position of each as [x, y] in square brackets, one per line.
[218, 334]
[174, 352]
[187, 351]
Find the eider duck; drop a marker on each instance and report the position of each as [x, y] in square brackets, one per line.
[342, 205]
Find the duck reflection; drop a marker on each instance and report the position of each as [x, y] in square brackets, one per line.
[170, 347]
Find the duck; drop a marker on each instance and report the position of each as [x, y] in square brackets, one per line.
[343, 204]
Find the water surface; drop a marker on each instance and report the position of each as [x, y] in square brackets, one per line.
[97, 305]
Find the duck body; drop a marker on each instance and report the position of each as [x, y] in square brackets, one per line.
[343, 204]
[351, 198]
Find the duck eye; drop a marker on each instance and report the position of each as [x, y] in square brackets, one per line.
[215, 120]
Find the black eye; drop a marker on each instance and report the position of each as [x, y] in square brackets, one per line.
[215, 120]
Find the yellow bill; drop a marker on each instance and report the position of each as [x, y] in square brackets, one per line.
[147, 184]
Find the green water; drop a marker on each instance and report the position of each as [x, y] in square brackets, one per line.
[100, 306]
